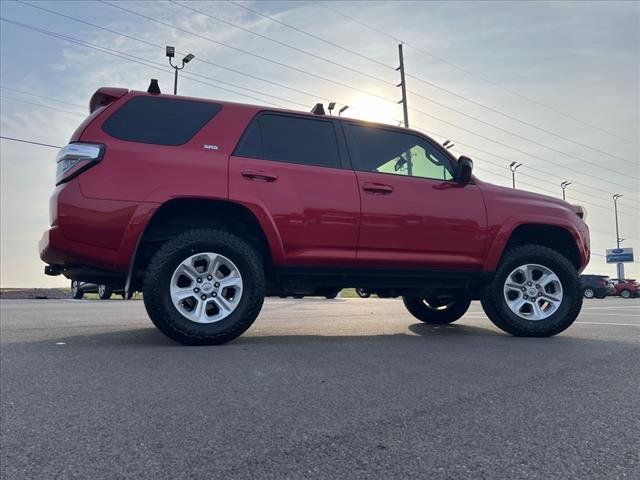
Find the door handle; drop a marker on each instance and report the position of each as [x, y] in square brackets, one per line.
[377, 188]
[259, 176]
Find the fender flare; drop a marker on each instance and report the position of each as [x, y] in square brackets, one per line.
[501, 238]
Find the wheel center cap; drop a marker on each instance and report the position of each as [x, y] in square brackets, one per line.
[533, 292]
[207, 287]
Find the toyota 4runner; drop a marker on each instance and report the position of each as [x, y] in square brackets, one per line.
[208, 206]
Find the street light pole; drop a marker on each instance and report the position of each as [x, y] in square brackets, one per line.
[620, 265]
[564, 186]
[171, 52]
[615, 208]
[513, 167]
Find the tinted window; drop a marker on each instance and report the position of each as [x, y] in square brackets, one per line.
[389, 151]
[250, 144]
[163, 121]
[290, 139]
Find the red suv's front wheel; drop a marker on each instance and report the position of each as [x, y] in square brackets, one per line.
[535, 292]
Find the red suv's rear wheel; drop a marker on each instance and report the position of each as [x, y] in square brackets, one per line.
[535, 292]
[204, 287]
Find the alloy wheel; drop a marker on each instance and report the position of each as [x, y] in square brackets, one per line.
[206, 287]
[533, 292]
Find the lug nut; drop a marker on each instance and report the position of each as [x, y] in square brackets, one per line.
[209, 277]
[196, 290]
[529, 283]
[217, 284]
[203, 297]
[214, 294]
[537, 286]
[199, 280]
[539, 294]
[523, 289]
[525, 297]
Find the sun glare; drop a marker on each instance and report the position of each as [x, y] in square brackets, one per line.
[373, 109]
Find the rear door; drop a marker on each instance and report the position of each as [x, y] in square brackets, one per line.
[413, 212]
[289, 169]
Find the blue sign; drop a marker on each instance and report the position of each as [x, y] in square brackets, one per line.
[619, 255]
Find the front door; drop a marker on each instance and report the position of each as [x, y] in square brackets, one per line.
[414, 214]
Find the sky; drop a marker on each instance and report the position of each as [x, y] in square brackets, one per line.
[551, 85]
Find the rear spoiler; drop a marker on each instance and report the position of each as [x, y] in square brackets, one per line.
[104, 96]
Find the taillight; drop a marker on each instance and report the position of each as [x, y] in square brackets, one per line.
[76, 158]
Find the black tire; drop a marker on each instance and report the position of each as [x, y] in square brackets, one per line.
[104, 292]
[156, 288]
[362, 293]
[589, 293]
[495, 306]
[331, 295]
[76, 291]
[625, 293]
[436, 311]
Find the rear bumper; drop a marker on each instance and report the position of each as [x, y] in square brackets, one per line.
[62, 253]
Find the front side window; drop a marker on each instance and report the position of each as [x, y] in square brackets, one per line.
[159, 120]
[398, 153]
[290, 139]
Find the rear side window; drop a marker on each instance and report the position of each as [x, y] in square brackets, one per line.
[159, 120]
[290, 139]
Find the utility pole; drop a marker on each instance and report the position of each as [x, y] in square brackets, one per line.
[403, 85]
[564, 186]
[403, 101]
[513, 167]
[620, 266]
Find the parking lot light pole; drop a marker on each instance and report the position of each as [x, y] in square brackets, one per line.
[564, 186]
[620, 265]
[616, 196]
[513, 167]
[171, 51]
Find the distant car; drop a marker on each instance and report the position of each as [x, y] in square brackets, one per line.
[78, 289]
[596, 286]
[626, 288]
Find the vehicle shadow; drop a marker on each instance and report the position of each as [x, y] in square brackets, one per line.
[417, 332]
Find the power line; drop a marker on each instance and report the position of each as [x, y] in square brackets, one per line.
[42, 96]
[133, 58]
[84, 44]
[21, 140]
[525, 174]
[309, 34]
[246, 52]
[473, 74]
[155, 45]
[529, 167]
[346, 67]
[284, 44]
[308, 73]
[41, 105]
[432, 84]
[497, 142]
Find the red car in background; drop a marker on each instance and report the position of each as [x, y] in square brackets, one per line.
[626, 288]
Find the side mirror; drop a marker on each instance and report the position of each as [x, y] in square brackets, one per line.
[465, 167]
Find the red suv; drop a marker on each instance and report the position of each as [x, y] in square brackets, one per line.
[207, 207]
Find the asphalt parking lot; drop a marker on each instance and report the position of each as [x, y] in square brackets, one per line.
[345, 388]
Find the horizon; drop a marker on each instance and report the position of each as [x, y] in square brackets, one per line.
[553, 86]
